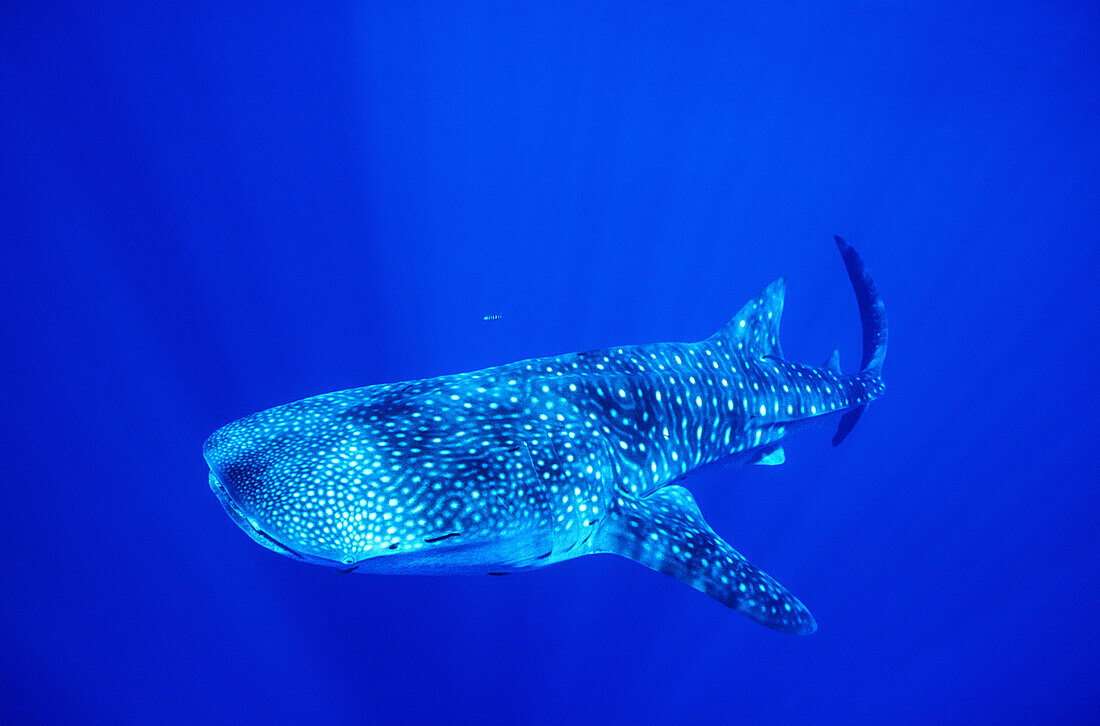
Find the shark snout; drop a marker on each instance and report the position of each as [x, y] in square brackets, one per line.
[252, 527]
[272, 483]
[238, 468]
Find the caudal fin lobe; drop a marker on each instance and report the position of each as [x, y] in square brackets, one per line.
[872, 316]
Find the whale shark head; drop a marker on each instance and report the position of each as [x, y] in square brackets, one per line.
[256, 477]
[301, 485]
[343, 478]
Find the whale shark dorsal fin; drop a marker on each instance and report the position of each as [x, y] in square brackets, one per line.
[666, 532]
[832, 363]
[756, 325]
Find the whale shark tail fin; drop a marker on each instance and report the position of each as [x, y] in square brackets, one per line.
[755, 327]
[666, 532]
[872, 316]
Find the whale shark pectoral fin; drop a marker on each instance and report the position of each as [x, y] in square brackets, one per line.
[666, 532]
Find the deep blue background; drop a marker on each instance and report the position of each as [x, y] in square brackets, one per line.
[206, 211]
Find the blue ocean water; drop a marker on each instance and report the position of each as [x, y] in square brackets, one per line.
[214, 208]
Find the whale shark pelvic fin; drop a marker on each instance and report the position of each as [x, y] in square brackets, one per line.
[666, 532]
[770, 456]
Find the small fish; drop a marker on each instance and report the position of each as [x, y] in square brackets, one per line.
[493, 316]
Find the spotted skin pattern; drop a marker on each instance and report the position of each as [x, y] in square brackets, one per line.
[543, 460]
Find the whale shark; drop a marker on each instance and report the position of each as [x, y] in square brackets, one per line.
[531, 463]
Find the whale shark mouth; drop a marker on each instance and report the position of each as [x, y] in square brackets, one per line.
[248, 524]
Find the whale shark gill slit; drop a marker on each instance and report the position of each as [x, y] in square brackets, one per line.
[441, 537]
